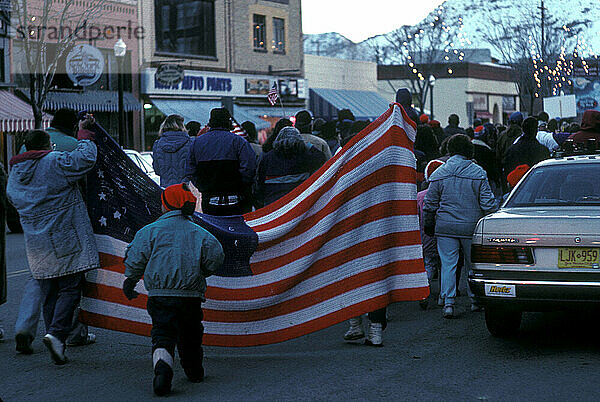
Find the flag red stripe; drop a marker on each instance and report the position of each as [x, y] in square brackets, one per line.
[112, 263]
[319, 266]
[316, 324]
[388, 174]
[114, 323]
[316, 243]
[384, 139]
[112, 294]
[309, 200]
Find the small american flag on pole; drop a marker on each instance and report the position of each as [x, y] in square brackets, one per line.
[343, 243]
[272, 96]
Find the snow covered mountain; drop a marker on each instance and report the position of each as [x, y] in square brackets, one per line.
[476, 16]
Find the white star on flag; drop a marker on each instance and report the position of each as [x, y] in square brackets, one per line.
[102, 196]
[102, 221]
[117, 215]
[100, 174]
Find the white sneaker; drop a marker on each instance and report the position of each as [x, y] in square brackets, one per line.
[355, 331]
[375, 338]
[56, 348]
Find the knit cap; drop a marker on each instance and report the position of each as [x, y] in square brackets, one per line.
[431, 167]
[178, 196]
[516, 175]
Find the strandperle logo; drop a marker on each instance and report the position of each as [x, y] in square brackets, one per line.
[82, 32]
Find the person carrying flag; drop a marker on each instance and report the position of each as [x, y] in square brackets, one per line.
[174, 255]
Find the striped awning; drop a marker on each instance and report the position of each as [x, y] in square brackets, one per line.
[16, 115]
[92, 101]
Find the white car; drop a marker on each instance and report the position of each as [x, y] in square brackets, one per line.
[141, 162]
[147, 156]
[541, 250]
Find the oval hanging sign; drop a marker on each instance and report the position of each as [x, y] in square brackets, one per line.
[84, 65]
[169, 74]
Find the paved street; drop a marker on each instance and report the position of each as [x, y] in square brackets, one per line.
[555, 357]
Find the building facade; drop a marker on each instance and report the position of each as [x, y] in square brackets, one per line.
[483, 90]
[228, 53]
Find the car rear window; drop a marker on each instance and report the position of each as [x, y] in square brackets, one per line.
[570, 185]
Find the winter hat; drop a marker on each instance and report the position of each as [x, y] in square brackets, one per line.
[178, 196]
[424, 119]
[516, 175]
[65, 120]
[287, 137]
[431, 167]
[434, 123]
[479, 131]
[303, 118]
[220, 118]
[516, 118]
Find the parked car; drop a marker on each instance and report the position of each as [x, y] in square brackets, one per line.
[146, 167]
[541, 250]
[147, 156]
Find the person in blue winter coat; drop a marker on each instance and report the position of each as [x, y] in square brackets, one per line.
[170, 152]
[288, 164]
[458, 196]
[174, 256]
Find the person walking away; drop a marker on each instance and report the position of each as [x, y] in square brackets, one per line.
[452, 127]
[506, 140]
[458, 196]
[526, 151]
[175, 256]
[59, 241]
[170, 152]
[222, 166]
[404, 98]
[330, 135]
[485, 156]
[285, 167]
[590, 128]
[252, 137]
[304, 125]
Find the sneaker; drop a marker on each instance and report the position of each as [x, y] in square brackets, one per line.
[375, 338]
[56, 348]
[476, 307]
[424, 303]
[355, 331]
[81, 341]
[163, 375]
[23, 341]
[448, 311]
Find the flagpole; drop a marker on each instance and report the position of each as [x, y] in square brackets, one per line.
[282, 109]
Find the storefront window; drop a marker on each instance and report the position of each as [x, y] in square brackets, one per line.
[185, 27]
[259, 32]
[278, 35]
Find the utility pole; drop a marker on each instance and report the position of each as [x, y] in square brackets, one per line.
[543, 44]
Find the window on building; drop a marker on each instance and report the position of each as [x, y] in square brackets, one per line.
[185, 27]
[259, 32]
[278, 45]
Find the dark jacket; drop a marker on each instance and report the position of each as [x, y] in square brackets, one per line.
[450, 130]
[527, 151]
[278, 173]
[506, 139]
[404, 98]
[221, 163]
[486, 158]
[169, 156]
[590, 127]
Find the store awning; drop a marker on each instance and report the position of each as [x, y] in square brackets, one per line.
[92, 101]
[189, 109]
[326, 103]
[16, 115]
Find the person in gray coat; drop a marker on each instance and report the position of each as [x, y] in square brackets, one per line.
[170, 152]
[59, 241]
[458, 196]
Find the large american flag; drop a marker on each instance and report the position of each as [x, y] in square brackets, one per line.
[343, 243]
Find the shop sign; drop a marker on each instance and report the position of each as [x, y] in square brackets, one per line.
[480, 102]
[169, 74]
[509, 103]
[587, 103]
[257, 86]
[84, 65]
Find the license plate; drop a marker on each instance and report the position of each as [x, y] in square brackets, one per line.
[576, 257]
[500, 290]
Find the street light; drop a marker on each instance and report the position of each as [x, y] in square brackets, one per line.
[120, 50]
[431, 84]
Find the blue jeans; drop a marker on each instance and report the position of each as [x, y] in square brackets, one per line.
[448, 249]
[30, 308]
[61, 298]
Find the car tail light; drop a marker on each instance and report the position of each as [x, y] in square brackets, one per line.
[501, 254]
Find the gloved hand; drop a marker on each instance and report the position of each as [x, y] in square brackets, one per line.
[429, 230]
[85, 126]
[129, 288]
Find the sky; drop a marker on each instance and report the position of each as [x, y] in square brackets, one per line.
[358, 20]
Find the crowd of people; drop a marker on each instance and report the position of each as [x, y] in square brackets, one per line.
[462, 174]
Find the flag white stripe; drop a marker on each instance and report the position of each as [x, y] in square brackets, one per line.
[315, 311]
[110, 245]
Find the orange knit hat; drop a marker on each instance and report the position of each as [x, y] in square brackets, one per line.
[516, 175]
[178, 196]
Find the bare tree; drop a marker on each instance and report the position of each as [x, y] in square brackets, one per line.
[417, 49]
[38, 25]
[536, 58]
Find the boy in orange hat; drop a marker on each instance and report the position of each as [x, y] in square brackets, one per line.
[175, 256]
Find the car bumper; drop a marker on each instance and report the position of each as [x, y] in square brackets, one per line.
[535, 291]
